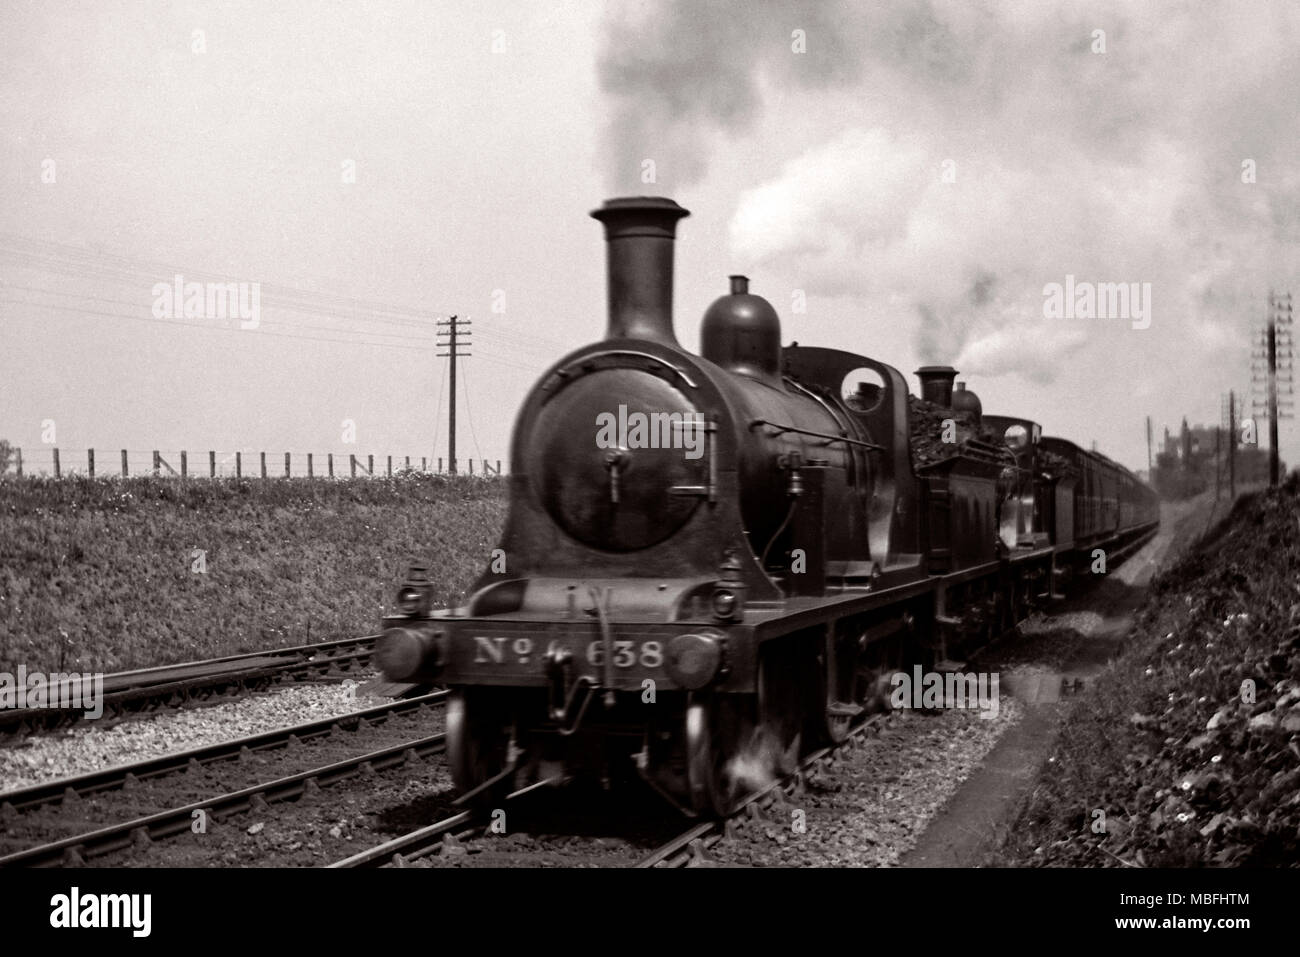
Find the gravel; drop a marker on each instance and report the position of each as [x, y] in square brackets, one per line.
[151, 795]
[870, 805]
[86, 748]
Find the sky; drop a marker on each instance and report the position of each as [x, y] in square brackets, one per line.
[903, 180]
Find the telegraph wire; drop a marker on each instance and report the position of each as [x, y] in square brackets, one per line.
[182, 324]
[470, 415]
[262, 322]
[327, 303]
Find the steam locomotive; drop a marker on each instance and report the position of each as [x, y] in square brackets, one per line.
[727, 555]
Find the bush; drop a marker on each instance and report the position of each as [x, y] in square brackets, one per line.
[1190, 742]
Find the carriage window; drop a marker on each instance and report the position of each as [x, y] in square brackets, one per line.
[863, 390]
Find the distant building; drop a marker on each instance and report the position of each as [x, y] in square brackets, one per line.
[1196, 460]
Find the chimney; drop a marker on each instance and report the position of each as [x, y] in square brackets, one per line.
[936, 384]
[639, 233]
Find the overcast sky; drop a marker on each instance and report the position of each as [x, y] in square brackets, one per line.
[917, 172]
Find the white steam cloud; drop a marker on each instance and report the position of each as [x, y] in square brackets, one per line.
[939, 163]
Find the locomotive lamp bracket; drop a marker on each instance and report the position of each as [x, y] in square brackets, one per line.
[729, 594]
[415, 597]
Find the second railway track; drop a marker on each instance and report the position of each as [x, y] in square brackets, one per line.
[147, 690]
[69, 797]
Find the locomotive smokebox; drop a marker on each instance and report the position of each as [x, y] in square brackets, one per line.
[639, 233]
[936, 384]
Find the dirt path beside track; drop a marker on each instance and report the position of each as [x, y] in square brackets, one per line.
[1056, 653]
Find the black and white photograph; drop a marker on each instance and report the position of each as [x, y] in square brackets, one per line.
[526, 439]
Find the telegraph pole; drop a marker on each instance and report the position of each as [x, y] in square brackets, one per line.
[1232, 447]
[1279, 314]
[1218, 461]
[456, 338]
[1276, 345]
[1150, 476]
[1272, 399]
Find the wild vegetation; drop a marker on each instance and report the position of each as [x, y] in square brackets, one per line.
[1186, 752]
[107, 575]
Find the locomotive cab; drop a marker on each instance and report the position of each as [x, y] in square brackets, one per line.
[1025, 508]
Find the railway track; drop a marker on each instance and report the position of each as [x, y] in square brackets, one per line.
[687, 846]
[79, 848]
[692, 845]
[424, 841]
[171, 686]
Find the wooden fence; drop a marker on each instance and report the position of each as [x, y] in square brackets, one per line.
[350, 465]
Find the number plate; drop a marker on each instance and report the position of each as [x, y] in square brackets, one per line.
[501, 650]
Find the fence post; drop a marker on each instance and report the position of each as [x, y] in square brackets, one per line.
[329, 458]
[408, 463]
[263, 455]
[471, 466]
[185, 464]
[370, 465]
[19, 462]
[498, 466]
[390, 466]
[125, 472]
[212, 463]
[352, 462]
[239, 465]
[286, 464]
[157, 462]
[58, 473]
[90, 461]
[309, 471]
[439, 463]
[424, 463]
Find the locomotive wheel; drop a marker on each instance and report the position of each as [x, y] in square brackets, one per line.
[478, 739]
[714, 731]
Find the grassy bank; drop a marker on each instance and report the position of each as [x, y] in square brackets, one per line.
[104, 574]
[1189, 744]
